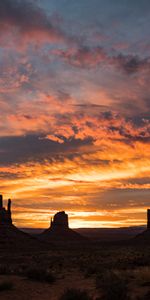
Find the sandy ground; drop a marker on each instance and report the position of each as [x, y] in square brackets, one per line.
[25, 289]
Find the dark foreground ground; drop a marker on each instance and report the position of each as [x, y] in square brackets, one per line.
[111, 271]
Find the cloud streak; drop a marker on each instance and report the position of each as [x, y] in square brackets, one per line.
[85, 57]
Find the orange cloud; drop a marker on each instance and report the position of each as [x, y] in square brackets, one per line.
[84, 184]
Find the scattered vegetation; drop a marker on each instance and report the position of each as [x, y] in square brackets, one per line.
[117, 271]
[41, 275]
[74, 294]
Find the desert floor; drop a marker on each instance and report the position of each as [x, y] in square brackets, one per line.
[122, 271]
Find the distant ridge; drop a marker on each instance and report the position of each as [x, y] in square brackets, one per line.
[143, 237]
[110, 234]
[99, 234]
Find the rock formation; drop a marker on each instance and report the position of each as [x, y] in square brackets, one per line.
[148, 219]
[144, 237]
[11, 238]
[60, 220]
[59, 230]
[5, 214]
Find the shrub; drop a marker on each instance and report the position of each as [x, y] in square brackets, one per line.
[6, 285]
[74, 294]
[39, 274]
[114, 286]
[91, 270]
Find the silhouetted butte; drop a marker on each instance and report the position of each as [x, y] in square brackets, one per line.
[59, 230]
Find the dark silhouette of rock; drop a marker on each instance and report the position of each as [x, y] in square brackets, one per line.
[5, 214]
[148, 219]
[11, 238]
[60, 220]
[144, 237]
[59, 230]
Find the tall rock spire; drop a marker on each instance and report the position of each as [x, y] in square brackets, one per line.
[148, 219]
[9, 205]
[1, 202]
[5, 214]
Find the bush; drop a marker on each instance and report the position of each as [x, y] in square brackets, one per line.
[147, 296]
[40, 275]
[6, 286]
[114, 286]
[74, 294]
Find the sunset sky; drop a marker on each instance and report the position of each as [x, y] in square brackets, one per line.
[75, 108]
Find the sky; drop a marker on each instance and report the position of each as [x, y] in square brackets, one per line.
[75, 108]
